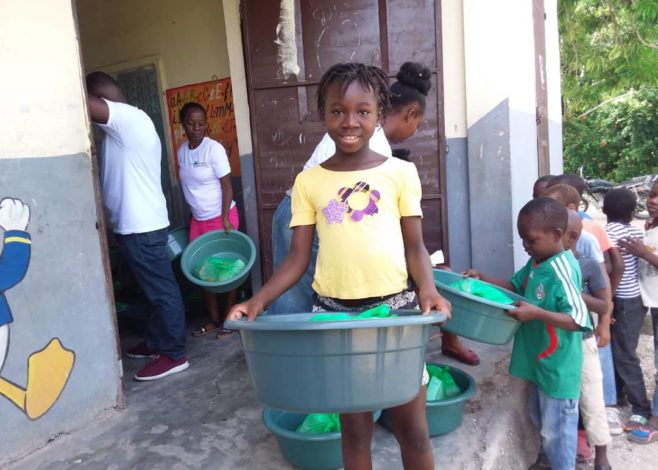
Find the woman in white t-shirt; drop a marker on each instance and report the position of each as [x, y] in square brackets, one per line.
[205, 175]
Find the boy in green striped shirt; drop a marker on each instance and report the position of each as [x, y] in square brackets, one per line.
[548, 346]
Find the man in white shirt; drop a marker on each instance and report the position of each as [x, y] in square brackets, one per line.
[137, 210]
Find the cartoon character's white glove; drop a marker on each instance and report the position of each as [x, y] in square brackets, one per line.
[14, 214]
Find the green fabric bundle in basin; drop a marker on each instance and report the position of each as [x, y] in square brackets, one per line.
[320, 423]
[217, 269]
[382, 311]
[481, 289]
[444, 415]
[442, 385]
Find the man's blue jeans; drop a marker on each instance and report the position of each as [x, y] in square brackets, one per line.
[557, 421]
[608, 370]
[147, 257]
[299, 298]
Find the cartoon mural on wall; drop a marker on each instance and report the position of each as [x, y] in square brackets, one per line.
[48, 370]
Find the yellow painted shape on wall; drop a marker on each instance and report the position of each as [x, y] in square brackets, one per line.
[48, 371]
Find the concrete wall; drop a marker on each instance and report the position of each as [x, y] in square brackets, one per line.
[501, 123]
[243, 125]
[61, 366]
[189, 37]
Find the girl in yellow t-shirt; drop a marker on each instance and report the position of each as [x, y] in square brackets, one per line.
[366, 209]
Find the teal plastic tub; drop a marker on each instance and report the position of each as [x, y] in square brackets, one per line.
[217, 243]
[444, 416]
[305, 451]
[337, 366]
[177, 240]
[474, 317]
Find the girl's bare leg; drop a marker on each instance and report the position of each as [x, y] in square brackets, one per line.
[210, 299]
[409, 425]
[356, 431]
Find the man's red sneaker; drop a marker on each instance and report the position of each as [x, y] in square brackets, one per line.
[162, 367]
[141, 351]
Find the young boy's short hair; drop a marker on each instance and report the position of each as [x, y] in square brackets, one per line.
[563, 193]
[544, 179]
[546, 214]
[569, 179]
[619, 204]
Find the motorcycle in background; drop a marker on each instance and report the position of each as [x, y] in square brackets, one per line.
[596, 189]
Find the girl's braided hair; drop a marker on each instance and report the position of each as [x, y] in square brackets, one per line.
[368, 76]
[413, 85]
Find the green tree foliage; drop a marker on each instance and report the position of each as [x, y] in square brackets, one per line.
[609, 53]
[617, 141]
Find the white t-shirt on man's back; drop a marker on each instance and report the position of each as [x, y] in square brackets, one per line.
[130, 171]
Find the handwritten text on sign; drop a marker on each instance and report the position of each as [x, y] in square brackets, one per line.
[216, 97]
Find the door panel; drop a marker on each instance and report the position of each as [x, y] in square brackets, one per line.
[285, 125]
[336, 32]
[411, 33]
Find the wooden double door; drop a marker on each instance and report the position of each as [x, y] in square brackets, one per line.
[288, 46]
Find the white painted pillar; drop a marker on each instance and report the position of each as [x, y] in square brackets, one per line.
[502, 130]
[454, 95]
[243, 125]
[554, 87]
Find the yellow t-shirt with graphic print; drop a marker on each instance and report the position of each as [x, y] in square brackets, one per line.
[357, 218]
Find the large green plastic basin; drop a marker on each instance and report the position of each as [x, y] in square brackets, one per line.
[444, 416]
[331, 367]
[474, 317]
[306, 451]
[218, 243]
[177, 240]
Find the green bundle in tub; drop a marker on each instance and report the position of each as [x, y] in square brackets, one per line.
[216, 269]
[320, 423]
[442, 385]
[382, 311]
[481, 289]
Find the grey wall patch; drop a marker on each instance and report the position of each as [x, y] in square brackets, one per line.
[490, 190]
[459, 221]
